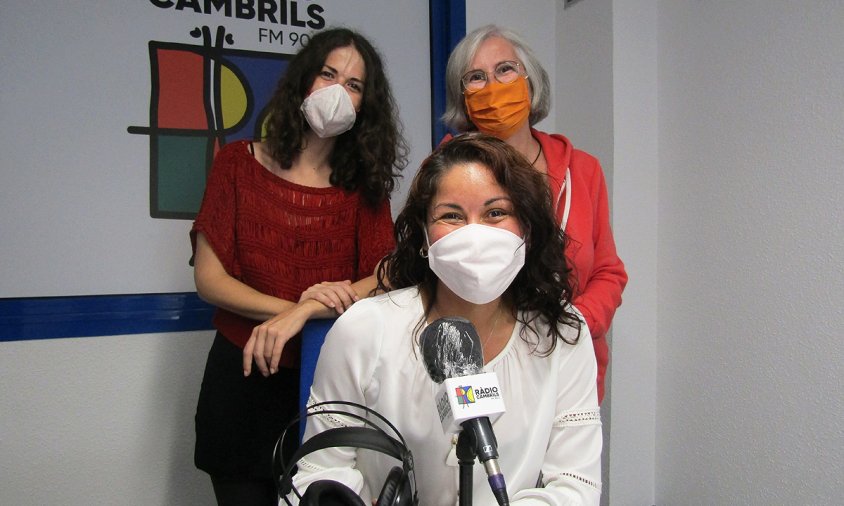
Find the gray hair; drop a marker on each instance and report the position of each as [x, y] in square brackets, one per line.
[458, 64]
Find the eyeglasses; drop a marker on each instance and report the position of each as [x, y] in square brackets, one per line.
[505, 72]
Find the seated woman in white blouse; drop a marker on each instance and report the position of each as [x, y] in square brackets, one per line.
[473, 195]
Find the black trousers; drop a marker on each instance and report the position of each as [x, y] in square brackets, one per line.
[239, 419]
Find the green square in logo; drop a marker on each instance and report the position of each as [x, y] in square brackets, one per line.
[178, 181]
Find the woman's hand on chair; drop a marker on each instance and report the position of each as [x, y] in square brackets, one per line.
[268, 339]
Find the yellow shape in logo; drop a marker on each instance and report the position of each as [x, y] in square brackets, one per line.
[232, 98]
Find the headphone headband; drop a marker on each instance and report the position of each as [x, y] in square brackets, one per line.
[361, 436]
[370, 436]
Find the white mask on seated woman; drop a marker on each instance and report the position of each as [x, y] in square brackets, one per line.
[477, 262]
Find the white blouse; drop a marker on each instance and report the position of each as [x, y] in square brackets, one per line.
[551, 427]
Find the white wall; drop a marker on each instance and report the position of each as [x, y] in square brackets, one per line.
[583, 86]
[102, 420]
[635, 195]
[749, 360]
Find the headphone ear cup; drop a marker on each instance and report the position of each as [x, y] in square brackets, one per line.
[392, 486]
[398, 489]
[330, 493]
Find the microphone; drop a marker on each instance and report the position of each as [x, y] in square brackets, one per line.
[453, 356]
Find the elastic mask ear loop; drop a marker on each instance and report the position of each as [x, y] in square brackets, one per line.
[423, 252]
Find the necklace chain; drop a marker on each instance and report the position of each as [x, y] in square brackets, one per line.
[537, 155]
[494, 324]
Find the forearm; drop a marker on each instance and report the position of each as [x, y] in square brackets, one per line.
[315, 309]
[217, 287]
[268, 339]
[232, 295]
[228, 293]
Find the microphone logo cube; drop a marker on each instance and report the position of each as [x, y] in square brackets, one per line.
[466, 397]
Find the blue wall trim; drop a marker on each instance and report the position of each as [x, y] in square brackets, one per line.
[448, 27]
[102, 315]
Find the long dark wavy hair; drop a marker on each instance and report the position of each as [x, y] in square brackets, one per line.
[542, 289]
[369, 157]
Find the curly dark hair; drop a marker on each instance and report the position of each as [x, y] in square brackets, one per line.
[542, 288]
[369, 157]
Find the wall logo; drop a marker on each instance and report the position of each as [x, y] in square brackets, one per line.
[202, 96]
[465, 395]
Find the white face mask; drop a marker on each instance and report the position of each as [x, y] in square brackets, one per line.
[477, 262]
[329, 111]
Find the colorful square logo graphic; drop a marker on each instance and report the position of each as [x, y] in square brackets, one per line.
[202, 97]
[465, 395]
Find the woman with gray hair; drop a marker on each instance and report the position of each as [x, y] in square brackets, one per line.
[496, 85]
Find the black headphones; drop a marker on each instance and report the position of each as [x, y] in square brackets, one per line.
[400, 485]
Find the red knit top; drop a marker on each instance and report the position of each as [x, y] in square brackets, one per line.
[281, 238]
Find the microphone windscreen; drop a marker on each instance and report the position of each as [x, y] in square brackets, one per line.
[451, 348]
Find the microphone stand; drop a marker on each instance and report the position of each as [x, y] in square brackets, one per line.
[466, 456]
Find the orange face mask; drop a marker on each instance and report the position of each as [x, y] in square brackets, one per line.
[499, 109]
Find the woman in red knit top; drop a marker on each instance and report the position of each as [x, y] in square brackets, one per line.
[290, 228]
[495, 84]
